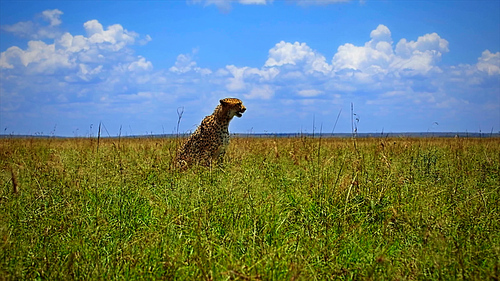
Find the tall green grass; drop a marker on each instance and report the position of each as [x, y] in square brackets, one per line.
[278, 209]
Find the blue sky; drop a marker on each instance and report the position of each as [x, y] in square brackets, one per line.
[406, 66]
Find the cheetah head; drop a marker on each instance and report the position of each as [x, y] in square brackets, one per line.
[234, 107]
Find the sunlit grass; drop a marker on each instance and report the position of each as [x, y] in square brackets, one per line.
[278, 209]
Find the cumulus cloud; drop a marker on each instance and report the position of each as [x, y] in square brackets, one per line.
[378, 74]
[374, 57]
[25, 29]
[72, 44]
[242, 78]
[260, 92]
[140, 65]
[145, 40]
[420, 56]
[39, 57]
[87, 73]
[68, 51]
[298, 54]
[225, 5]
[114, 37]
[185, 63]
[309, 93]
[295, 69]
[36, 29]
[92, 68]
[319, 2]
[254, 2]
[377, 55]
[52, 16]
[236, 83]
[489, 62]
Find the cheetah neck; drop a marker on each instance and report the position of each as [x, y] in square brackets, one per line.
[221, 116]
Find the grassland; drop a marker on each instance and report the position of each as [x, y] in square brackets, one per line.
[278, 209]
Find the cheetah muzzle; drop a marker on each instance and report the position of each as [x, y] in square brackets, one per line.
[240, 113]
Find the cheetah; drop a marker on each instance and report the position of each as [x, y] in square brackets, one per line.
[208, 143]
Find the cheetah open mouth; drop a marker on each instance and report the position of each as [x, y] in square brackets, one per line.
[240, 113]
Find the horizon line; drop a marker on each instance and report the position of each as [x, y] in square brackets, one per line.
[266, 134]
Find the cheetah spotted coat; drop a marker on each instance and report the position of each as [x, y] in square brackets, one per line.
[209, 142]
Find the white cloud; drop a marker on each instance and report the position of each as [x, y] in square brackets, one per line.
[236, 82]
[297, 69]
[309, 93]
[8, 57]
[39, 57]
[380, 34]
[421, 56]
[254, 2]
[52, 16]
[374, 57]
[72, 43]
[25, 29]
[260, 92]
[297, 54]
[241, 76]
[70, 51]
[319, 2]
[185, 63]
[76, 69]
[428, 42]
[378, 56]
[376, 74]
[145, 40]
[140, 65]
[225, 5]
[37, 30]
[489, 62]
[115, 35]
[86, 73]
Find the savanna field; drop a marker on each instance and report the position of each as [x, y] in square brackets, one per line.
[278, 209]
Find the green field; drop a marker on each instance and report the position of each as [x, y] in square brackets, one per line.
[279, 209]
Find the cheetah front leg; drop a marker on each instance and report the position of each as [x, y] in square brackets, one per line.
[220, 158]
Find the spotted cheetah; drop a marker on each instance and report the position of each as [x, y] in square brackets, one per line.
[209, 142]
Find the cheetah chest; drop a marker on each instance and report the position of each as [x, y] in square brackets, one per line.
[222, 135]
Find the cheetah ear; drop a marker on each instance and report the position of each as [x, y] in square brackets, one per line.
[223, 102]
